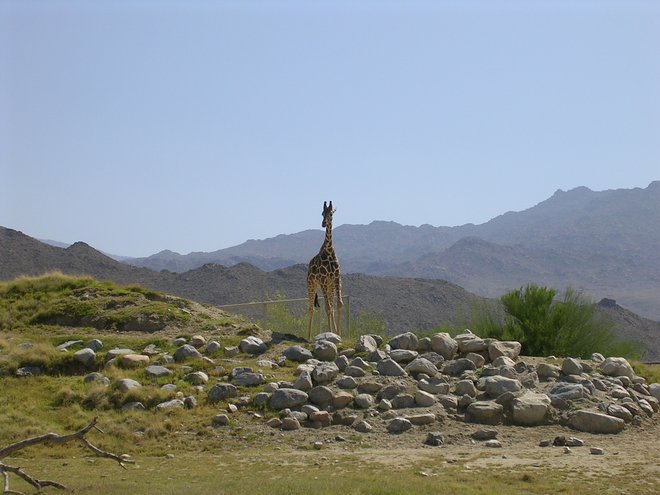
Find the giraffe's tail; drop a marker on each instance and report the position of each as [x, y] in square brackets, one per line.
[316, 301]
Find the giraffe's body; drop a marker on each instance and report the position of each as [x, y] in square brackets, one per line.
[323, 273]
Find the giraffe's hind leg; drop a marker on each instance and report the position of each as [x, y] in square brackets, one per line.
[311, 295]
[340, 307]
[330, 311]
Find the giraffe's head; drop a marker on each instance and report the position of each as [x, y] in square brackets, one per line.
[327, 214]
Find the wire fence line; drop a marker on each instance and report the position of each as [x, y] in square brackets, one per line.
[296, 314]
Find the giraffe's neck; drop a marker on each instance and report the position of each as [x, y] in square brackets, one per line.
[327, 244]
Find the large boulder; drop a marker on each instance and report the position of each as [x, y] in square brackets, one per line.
[186, 352]
[422, 365]
[456, 367]
[126, 384]
[530, 409]
[595, 422]
[399, 425]
[443, 344]
[407, 341]
[497, 385]
[403, 355]
[616, 366]
[389, 367]
[571, 366]
[222, 391]
[320, 395]
[329, 336]
[252, 345]
[284, 398]
[297, 353]
[325, 372]
[85, 356]
[324, 350]
[510, 349]
[366, 343]
[133, 360]
[484, 412]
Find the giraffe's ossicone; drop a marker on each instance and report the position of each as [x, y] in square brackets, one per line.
[323, 273]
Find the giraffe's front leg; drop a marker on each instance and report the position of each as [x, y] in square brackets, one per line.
[311, 293]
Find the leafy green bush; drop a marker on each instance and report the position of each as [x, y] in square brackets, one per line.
[545, 325]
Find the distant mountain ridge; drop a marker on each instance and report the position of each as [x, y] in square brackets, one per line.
[605, 242]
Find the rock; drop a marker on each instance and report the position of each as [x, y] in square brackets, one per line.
[252, 345]
[594, 422]
[328, 336]
[424, 344]
[406, 341]
[133, 406]
[179, 341]
[341, 362]
[347, 382]
[444, 345]
[186, 352]
[320, 395]
[510, 349]
[354, 371]
[403, 401]
[267, 364]
[196, 378]
[249, 379]
[220, 420]
[366, 344]
[403, 355]
[114, 353]
[457, 367]
[654, 390]
[529, 409]
[304, 381]
[566, 391]
[126, 384]
[290, 424]
[424, 399]
[363, 401]
[389, 367]
[212, 347]
[421, 419]
[465, 387]
[422, 365]
[96, 377]
[493, 444]
[384, 405]
[85, 356]
[477, 359]
[197, 341]
[133, 360]
[231, 351]
[363, 427]
[596, 451]
[597, 357]
[387, 392]
[325, 372]
[484, 412]
[344, 418]
[261, 399]
[497, 385]
[370, 387]
[434, 385]
[341, 400]
[287, 398]
[169, 387]
[484, 434]
[503, 361]
[469, 342]
[571, 366]
[434, 438]
[321, 417]
[69, 343]
[222, 391]
[274, 422]
[399, 425]
[616, 366]
[170, 404]
[324, 350]
[156, 371]
[95, 344]
[376, 356]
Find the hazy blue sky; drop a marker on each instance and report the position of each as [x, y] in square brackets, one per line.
[193, 126]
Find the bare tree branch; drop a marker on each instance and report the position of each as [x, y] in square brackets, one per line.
[79, 435]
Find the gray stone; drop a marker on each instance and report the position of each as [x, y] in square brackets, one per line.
[170, 404]
[444, 345]
[222, 391]
[597, 357]
[434, 357]
[354, 371]
[324, 350]
[497, 385]
[616, 366]
[126, 384]
[484, 434]
[403, 355]
[85, 356]
[186, 352]
[484, 412]
[504, 348]
[389, 367]
[620, 412]
[220, 420]
[347, 382]
[231, 351]
[341, 362]
[596, 451]
[387, 392]
[329, 336]
[567, 391]
[197, 341]
[252, 345]
[434, 438]
[320, 395]
[406, 341]
[424, 399]
[594, 422]
[530, 409]
[465, 387]
[196, 378]
[341, 399]
[261, 399]
[424, 344]
[249, 379]
[469, 342]
[370, 387]
[493, 444]
[422, 365]
[434, 385]
[545, 371]
[290, 424]
[360, 363]
[113, 353]
[287, 398]
[457, 367]
[403, 401]
[69, 343]
[95, 344]
[363, 401]
[421, 419]
[363, 427]
[304, 381]
[477, 359]
[654, 390]
[169, 387]
[366, 344]
[503, 361]
[399, 425]
[325, 372]
[96, 377]
[213, 347]
[133, 406]
[384, 405]
[571, 366]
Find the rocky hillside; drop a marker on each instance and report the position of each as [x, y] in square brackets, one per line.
[604, 242]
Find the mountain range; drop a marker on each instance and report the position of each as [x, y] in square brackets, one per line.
[605, 243]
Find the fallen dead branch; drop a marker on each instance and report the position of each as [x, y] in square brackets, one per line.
[51, 438]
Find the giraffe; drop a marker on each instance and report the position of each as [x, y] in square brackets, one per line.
[323, 272]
